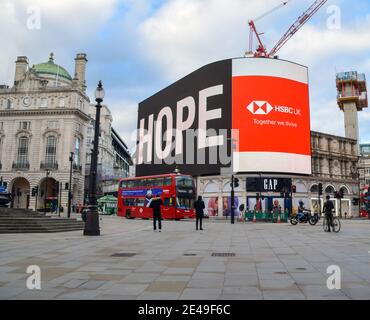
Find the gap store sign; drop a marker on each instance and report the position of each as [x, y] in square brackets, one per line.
[269, 184]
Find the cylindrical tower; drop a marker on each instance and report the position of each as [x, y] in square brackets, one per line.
[352, 97]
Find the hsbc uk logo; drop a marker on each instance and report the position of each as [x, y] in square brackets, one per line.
[264, 108]
[260, 107]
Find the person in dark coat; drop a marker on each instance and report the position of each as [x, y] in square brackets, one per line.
[199, 210]
[328, 210]
[156, 204]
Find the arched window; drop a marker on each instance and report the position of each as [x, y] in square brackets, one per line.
[300, 187]
[51, 150]
[314, 188]
[345, 190]
[22, 158]
[329, 189]
[211, 187]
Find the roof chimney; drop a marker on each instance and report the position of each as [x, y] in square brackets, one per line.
[80, 70]
[21, 67]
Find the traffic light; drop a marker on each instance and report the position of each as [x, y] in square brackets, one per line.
[236, 182]
[294, 188]
[336, 195]
[35, 191]
[66, 186]
[320, 189]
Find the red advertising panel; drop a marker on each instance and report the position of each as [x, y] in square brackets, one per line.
[271, 116]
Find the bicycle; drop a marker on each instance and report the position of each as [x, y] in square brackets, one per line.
[336, 224]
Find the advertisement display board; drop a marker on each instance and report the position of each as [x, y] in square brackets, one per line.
[270, 110]
[269, 184]
[247, 114]
[186, 125]
[211, 206]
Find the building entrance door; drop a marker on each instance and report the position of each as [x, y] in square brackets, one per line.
[20, 193]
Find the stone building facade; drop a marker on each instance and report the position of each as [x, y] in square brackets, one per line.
[334, 164]
[43, 117]
[364, 165]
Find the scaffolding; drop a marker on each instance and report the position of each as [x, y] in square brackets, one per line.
[351, 87]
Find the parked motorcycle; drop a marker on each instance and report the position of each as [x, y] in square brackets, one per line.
[306, 217]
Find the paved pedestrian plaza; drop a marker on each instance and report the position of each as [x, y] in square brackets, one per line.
[272, 261]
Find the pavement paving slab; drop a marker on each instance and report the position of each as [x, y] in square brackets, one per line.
[272, 261]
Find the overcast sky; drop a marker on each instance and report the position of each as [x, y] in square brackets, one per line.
[138, 47]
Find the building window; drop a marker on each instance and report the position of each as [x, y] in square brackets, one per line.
[51, 150]
[1, 145]
[24, 125]
[77, 151]
[78, 127]
[9, 104]
[61, 103]
[23, 151]
[44, 103]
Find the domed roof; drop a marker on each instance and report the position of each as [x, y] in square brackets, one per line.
[52, 69]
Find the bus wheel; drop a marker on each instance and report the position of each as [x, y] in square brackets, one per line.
[177, 219]
[128, 214]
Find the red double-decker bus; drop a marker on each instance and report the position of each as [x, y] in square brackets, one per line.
[176, 190]
[365, 202]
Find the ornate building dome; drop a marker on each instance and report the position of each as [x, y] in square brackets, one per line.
[52, 71]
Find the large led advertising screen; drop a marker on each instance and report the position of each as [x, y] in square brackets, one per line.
[271, 116]
[187, 125]
[247, 115]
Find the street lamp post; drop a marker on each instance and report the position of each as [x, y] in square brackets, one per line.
[46, 188]
[92, 218]
[232, 200]
[70, 184]
[60, 197]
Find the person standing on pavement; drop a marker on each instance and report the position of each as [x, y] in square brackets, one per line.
[199, 211]
[156, 204]
[328, 210]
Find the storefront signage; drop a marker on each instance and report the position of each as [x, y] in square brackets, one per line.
[269, 184]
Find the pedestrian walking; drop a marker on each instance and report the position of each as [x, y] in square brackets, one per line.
[328, 210]
[156, 204]
[199, 211]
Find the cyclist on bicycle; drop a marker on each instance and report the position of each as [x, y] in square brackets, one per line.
[328, 210]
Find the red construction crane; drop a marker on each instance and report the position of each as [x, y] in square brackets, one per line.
[261, 49]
